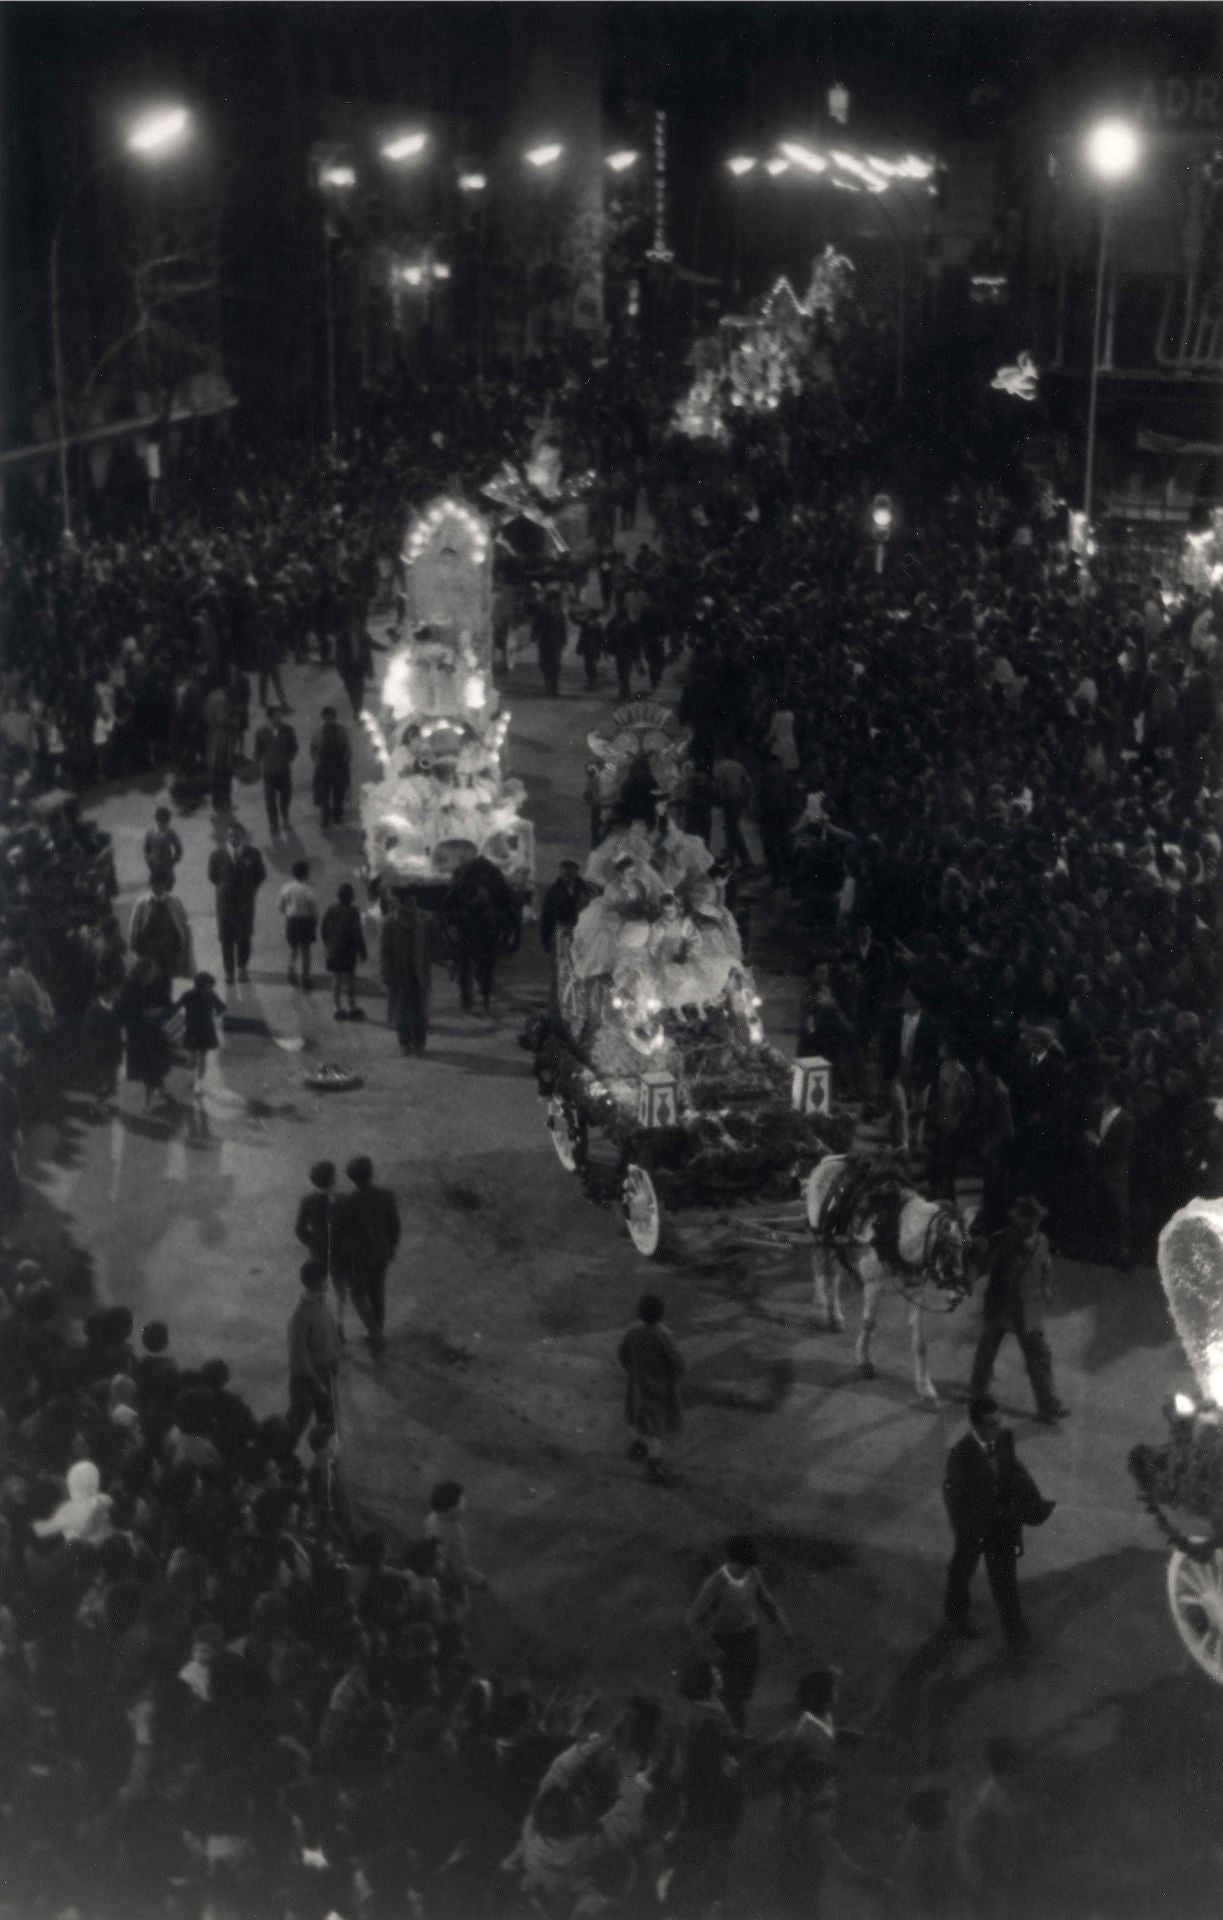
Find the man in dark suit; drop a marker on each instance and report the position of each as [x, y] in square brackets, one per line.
[365, 1232]
[908, 1056]
[1018, 1290]
[990, 1497]
[1112, 1150]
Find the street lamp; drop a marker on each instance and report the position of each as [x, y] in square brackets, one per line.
[621, 162]
[155, 134]
[544, 156]
[406, 146]
[472, 182]
[777, 165]
[740, 165]
[335, 178]
[1112, 150]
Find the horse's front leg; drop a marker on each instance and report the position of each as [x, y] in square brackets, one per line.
[872, 1287]
[927, 1395]
[826, 1291]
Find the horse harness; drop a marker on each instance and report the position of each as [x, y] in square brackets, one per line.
[866, 1187]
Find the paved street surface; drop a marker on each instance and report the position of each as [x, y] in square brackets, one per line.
[505, 1306]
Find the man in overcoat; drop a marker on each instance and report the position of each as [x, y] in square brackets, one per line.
[407, 972]
[654, 1367]
[365, 1234]
[1018, 1290]
[236, 872]
[990, 1497]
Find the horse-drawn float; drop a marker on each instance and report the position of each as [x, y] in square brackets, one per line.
[660, 1091]
[1181, 1481]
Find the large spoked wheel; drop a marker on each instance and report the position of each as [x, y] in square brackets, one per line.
[642, 1211]
[566, 1133]
[1195, 1595]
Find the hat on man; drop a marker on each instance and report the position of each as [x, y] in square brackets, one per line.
[1028, 1212]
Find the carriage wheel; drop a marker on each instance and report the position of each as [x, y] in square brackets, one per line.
[1195, 1595]
[566, 1134]
[642, 1211]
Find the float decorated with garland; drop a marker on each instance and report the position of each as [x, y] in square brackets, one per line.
[660, 1089]
[1181, 1480]
[442, 798]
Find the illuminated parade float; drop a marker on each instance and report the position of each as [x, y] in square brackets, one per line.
[442, 798]
[1181, 1481]
[655, 1049]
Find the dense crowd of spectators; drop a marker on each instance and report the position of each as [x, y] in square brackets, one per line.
[989, 784]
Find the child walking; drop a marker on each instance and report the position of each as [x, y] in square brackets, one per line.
[200, 1009]
[344, 945]
[299, 904]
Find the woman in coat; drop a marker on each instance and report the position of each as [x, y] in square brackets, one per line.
[654, 1367]
[143, 1008]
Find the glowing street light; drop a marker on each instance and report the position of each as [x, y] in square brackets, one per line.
[804, 156]
[1112, 150]
[621, 161]
[741, 163]
[407, 146]
[440, 270]
[777, 165]
[338, 177]
[544, 156]
[472, 182]
[413, 275]
[157, 132]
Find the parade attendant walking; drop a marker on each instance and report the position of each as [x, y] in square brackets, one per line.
[201, 1010]
[314, 1356]
[236, 872]
[366, 1231]
[331, 752]
[344, 949]
[275, 752]
[298, 903]
[407, 972]
[990, 1497]
[162, 847]
[160, 931]
[314, 1228]
[654, 1368]
[1018, 1290]
[727, 1611]
[483, 920]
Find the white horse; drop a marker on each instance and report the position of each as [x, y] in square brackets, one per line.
[923, 1256]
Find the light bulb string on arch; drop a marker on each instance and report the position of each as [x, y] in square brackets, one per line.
[430, 522]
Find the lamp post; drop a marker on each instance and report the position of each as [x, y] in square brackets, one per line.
[1112, 150]
[739, 167]
[150, 137]
[336, 178]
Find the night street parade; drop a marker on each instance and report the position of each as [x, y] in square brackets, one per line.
[611, 1081]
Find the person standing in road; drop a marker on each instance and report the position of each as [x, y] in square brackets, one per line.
[298, 902]
[344, 947]
[313, 1227]
[365, 1233]
[727, 1611]
[990, 1497]
[161, 932]
[654, 1368]
[201, 1010]
[734, 792]
[275, 752]
[550, 633]
[314, 1356]
[269, 655]
[562, 903]
[236, 872]
[483, 918]
[162, 847]
[354, 661]
[407, 971]
[331, 752]
[1018, 1290]
[223, 733]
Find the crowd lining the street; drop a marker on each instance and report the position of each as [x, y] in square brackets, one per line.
[218, 1692]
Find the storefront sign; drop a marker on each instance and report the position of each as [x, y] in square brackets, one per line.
[1184, 103]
